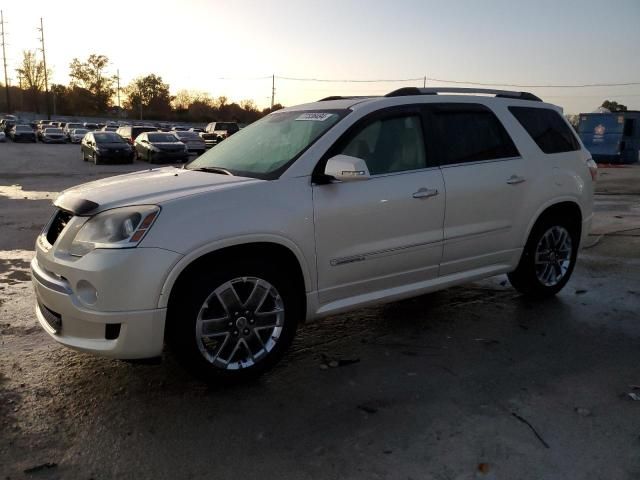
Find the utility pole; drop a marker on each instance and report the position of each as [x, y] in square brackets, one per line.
[46, 80]
[21, 91]
[4, 60]
[118, 90]
[273, 89]
[424, 82]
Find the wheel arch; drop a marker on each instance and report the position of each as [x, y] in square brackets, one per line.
[275, 248]
[564, 207]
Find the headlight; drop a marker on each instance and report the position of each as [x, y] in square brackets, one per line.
[117, 228]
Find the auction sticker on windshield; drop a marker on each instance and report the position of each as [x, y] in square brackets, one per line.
[315, 116]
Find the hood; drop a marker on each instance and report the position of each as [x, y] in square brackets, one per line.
[147, 187]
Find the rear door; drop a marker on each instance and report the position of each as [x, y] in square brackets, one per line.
[385, 232]
[484, 177]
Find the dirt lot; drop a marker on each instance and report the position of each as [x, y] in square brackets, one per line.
[440, 387]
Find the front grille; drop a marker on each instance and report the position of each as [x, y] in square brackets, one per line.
[58, 224]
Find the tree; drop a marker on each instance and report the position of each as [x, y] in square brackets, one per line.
[183, 99]
[90, 76]
[150, 96]
[31, 74]
[614, 106]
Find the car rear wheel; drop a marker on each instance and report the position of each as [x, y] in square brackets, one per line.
[233, 323]
[548, 259]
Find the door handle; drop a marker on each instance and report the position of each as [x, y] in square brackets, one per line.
[515, 179]
[425, 193]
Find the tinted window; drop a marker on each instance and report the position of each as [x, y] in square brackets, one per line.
[469, 133]
[107, 137]
[161, 137]
[547, 128]
[23, 128]
[230, 127]
[390, 145]
[628, 127]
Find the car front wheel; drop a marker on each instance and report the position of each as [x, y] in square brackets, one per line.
[233, 323]
[548, 259]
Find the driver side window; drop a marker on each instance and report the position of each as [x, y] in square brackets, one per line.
[390, 145]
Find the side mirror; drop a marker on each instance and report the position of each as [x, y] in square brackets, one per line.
[144, 141]
[345, 168]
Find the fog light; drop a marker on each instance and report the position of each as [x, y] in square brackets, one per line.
[87, 292]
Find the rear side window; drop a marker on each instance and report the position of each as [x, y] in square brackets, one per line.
[547, 128]
[469, 133]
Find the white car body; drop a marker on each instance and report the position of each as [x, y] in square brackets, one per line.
[356, 243]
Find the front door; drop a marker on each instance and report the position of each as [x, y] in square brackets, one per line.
[384, 232]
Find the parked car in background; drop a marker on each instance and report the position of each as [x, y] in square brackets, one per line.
[100, 147]
[22, 133]
[218, 131]
[53, 135]
[156, 147]
[77, 134]
[100, 126]
[69, 127]
[42, 125]
[193, 141]
[196, 129]
[130, 132]
[179, 128]
[109, 128]
[90, 125]
[6, 124]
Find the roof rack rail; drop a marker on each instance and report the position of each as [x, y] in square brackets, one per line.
[340, 97]
[406, 91]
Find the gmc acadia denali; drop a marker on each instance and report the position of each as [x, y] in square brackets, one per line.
[315, 210]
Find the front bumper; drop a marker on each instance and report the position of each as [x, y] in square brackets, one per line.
[125, 322]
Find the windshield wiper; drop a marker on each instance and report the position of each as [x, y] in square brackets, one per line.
[222, 171]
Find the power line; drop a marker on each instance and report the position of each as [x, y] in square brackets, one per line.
[330, 80]
[584, 85]
[457, 82]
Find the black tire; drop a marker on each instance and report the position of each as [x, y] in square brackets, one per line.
[84, 157]
[189, 296]
[526, 278]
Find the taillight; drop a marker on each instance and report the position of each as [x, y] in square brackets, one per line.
[593, 169]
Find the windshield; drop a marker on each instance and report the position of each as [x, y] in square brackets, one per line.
[80, 131]
[107, 137]
[161, 137]
[23, 128]
[267, 147]
[53, 130]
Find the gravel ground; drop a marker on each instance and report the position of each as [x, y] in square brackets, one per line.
[471, 382]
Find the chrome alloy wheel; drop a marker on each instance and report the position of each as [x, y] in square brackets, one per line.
[240, 323]
[553, 256]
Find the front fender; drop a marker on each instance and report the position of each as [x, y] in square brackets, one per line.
[188, 259]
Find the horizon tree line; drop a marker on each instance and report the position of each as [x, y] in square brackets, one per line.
[92, 92]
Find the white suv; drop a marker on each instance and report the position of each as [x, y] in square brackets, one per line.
[314, 210]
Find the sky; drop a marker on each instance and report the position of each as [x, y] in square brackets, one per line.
[232, 48]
